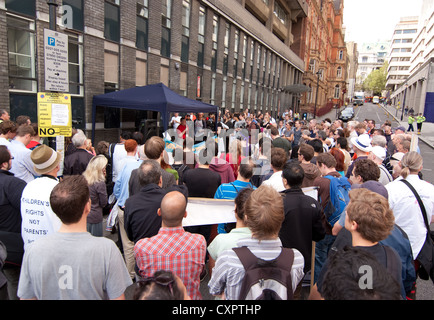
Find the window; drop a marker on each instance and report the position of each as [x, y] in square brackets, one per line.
[201, 37]
[252, 57]
[226, 49]
[341, 54]
[21, 53]
[279, 12]
[225, 80]
[142, 25]
[75, 64]
[258, 66]
[407, 40]
[243, 69]
[183, 83]
[213, 82]
[312, 64]
[339, 72]
[76, 15]
[215, 33]
[166, 14]
[364, 59]
[236, 48]
[337, 92]
[407, 31]
[26, 7]
[185, 41]
[111, 20]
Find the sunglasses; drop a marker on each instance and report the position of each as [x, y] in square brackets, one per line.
[162, 280]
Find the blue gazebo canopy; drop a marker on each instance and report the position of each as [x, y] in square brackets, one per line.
[153, 97]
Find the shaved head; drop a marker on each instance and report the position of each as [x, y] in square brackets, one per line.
[172, 209]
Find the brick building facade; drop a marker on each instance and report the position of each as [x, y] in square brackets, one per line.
[235, 54]
[325, 56]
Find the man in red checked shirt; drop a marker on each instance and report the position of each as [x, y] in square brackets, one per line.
[173, 248]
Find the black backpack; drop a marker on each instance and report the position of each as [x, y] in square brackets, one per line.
[266, 280]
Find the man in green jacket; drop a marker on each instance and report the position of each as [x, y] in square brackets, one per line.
[420, 119]
[410, 121]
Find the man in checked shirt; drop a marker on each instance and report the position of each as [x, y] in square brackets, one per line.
[173, 248]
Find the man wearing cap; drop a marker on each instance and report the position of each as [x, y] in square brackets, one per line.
[378, 154]
[38, 219]
[361, 147]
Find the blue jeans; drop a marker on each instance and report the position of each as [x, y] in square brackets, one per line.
[321, 252]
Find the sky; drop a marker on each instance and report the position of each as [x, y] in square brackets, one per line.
[374, 20]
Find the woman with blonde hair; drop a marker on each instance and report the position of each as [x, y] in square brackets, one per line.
[95, 175]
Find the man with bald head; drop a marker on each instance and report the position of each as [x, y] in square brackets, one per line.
[173, 248]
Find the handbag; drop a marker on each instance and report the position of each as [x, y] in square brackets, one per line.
[426, 254]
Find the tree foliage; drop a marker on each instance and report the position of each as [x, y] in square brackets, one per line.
[376, 80]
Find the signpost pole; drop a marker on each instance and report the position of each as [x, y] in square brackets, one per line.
[52, 5]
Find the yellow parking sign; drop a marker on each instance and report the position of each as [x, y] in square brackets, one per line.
[54, 114]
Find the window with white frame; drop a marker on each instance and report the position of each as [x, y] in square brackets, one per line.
[339, 72]
[337, 92]
[21, 54]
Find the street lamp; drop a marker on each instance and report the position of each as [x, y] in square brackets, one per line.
[318, 73]
[403, 104]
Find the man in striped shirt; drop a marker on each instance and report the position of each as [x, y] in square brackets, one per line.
[264, 216]
[172, 248]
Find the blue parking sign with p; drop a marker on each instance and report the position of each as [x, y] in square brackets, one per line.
[51, 41]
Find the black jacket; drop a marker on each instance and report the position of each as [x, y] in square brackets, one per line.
[11, 189]
[140, 215]
[76, 162]
[302, 223]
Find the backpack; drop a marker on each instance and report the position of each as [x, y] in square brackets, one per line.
[266, 280]
[339, 198]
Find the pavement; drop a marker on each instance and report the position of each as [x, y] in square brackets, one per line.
[427, 132]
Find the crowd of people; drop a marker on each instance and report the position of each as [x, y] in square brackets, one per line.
[293, 183]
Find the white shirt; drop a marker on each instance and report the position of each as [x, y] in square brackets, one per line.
[5, 142]
[119, 153]
[176, 121]
[275, 181]
[22, 165]
[38, 219]
[407, 211]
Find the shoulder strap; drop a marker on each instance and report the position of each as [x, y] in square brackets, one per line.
[391, 261]
[247, 258]
[422, 207]
[234, 187]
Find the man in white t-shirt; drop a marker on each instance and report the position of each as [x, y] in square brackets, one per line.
[38, 219]
[176, 120]
[278, 160]
[71, 264]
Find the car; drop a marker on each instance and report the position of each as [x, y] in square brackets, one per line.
[346, 115]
